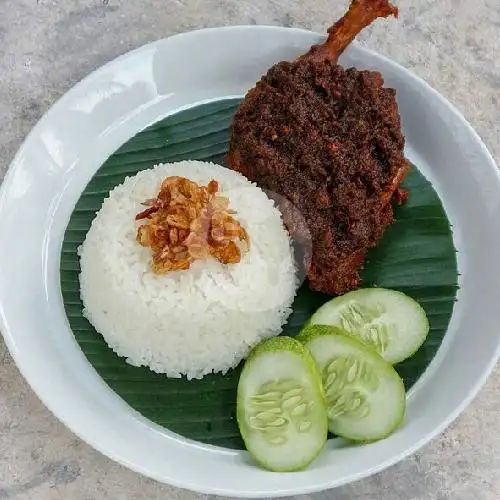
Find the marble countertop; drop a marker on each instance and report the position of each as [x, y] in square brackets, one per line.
[48, 45]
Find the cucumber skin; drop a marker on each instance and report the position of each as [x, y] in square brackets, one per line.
[389, 433]
[353, 336]
[424, 315]
[292, 345]
[280, 343]
[311, 332]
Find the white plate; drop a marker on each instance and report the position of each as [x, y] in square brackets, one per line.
[90, 122]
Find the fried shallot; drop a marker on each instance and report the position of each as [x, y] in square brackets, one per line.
[187, 222]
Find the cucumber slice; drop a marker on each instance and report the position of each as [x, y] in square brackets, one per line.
[281, 410]
[365, 396]
[386, 320]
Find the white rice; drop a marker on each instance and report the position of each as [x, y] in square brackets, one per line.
[193, 322]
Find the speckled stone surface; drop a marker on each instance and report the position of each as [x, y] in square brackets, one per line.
[48, 46]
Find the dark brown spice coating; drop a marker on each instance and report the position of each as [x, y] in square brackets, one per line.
[329, 140]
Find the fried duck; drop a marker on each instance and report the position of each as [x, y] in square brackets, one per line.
[329, 141]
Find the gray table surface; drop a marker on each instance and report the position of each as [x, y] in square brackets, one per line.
[46, 47]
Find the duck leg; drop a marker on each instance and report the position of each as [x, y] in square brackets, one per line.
[361, 14]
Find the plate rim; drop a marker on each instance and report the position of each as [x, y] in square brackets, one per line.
[20, 363]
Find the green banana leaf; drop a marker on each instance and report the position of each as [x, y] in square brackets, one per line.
[416, 256]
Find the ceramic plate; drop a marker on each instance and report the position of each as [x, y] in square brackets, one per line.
[113, 104]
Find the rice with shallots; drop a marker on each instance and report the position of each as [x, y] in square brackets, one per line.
[192, 322]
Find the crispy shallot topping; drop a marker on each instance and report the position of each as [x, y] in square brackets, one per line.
[188, 222]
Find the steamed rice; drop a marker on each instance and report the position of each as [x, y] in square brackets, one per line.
[193, 322]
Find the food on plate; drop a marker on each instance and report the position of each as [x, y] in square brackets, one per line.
[281, 410]
[365, 397]
[289, 387]
[388, 321]
[329, 140]
[186, 222]
[188, 268]
[194, 321]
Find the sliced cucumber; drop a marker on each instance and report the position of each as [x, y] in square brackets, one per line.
[388, 321]
[365, 396]
[280, 406]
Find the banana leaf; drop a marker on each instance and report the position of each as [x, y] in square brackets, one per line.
[416, 256]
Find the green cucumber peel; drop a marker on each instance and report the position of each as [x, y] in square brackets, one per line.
[281, 409]
[387, 321]
[366, 399]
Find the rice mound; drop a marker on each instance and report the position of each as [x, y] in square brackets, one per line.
[193, 322]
